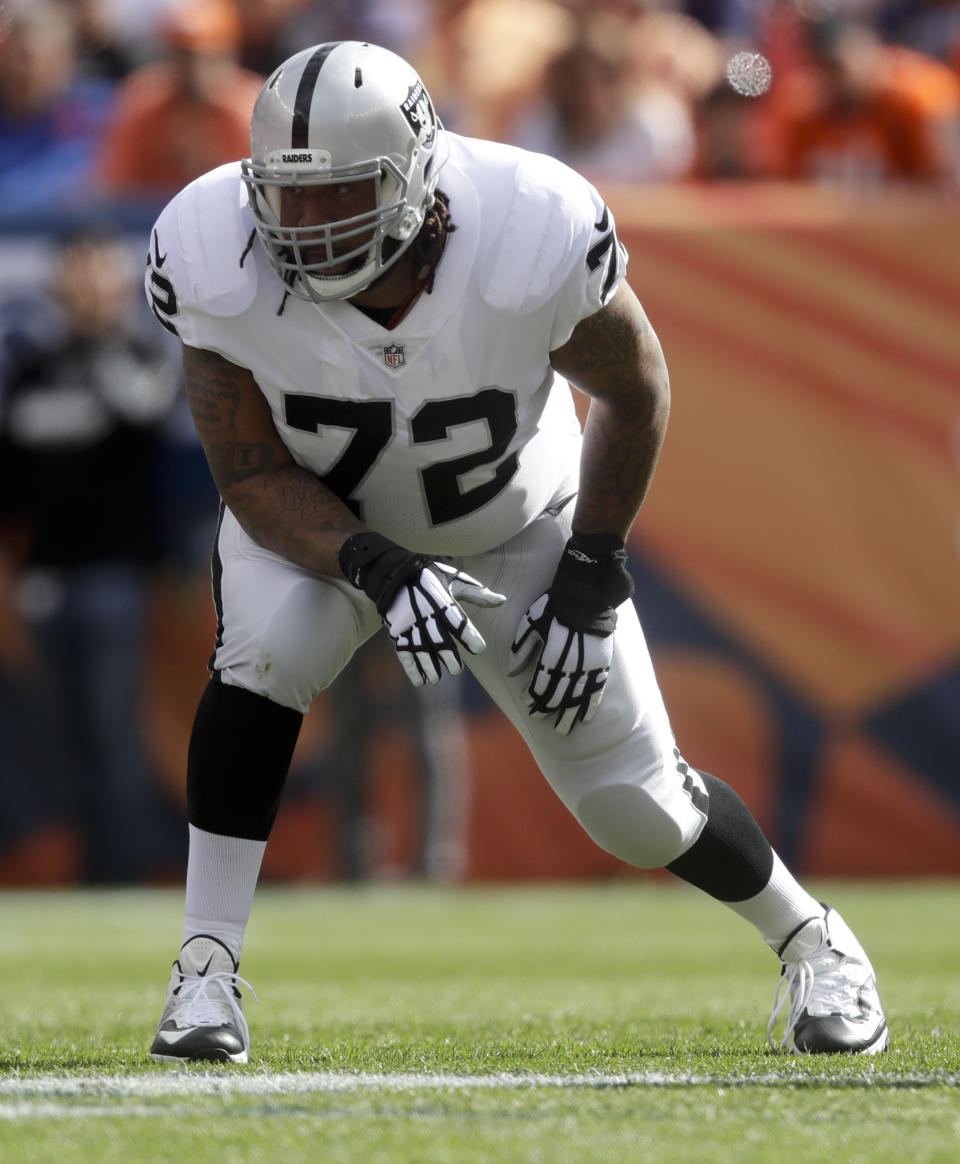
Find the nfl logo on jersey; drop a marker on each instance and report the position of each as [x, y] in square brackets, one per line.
[393, 356]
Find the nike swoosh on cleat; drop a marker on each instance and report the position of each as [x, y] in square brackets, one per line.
[160, 259]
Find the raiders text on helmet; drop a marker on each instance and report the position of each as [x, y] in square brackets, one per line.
[338, 113]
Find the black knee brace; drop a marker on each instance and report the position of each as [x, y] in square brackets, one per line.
[240, 753]
[731, 859]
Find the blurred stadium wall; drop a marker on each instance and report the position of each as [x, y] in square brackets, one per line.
[797, 559]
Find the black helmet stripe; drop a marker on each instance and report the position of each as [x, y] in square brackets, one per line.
[304, 99]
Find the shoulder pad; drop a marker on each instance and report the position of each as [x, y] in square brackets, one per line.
[539, 240]
[205, 231]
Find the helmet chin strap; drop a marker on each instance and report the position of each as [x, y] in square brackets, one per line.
[408, 225]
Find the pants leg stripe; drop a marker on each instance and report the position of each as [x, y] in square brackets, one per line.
[216, 575]
[691, 787]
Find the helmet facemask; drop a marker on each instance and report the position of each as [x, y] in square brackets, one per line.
[361, 238]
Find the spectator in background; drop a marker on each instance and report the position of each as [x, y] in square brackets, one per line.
[363, 702]
[263, 26]
[727, 19]
[79, 435]
[401, 25]
[725, 137]
[22, 795]
[863, 113]
[482, 60]
[101, 49]
[51, 118]
[601, 118]
[179, 117]
[931, 27]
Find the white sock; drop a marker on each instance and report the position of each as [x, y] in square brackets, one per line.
[222, 876]
[779, 908]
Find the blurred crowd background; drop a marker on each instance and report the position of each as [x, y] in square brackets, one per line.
[107, 108]
[106, 99]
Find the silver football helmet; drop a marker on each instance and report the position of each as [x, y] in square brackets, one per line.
[332, 114]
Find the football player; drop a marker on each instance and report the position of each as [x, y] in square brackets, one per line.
[380, 322]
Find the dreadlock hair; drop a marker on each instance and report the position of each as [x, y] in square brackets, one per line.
[427, 247]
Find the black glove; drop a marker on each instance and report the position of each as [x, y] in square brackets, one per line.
[417, 599]
[569, 630]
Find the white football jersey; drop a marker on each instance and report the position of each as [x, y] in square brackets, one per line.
[449, 433]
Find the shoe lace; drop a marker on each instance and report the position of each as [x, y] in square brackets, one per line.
[795, 987]
[823, 986]
[213, 999]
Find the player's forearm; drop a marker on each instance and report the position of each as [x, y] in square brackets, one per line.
[283, 507]
[615, 357]
[622, 442]
[289, 511]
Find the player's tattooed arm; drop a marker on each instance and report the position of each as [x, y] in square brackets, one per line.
[615, 358]
[280, 505]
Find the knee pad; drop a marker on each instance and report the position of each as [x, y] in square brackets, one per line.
[626, 821]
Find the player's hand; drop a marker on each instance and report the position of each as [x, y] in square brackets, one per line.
[419, 601]
[568, 632]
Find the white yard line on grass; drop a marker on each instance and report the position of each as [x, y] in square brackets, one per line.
[38, 1095]
[31, 1109]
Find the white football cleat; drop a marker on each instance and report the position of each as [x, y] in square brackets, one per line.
[203, 1017]
[832, 990]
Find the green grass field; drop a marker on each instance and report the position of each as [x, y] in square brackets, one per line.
[568, 1025]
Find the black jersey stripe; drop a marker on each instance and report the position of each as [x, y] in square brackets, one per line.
[607, 246]
[596, 252]
[304, 98]
[216, 578]
[613, 268]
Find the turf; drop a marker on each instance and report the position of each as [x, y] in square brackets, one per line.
[615, 1022]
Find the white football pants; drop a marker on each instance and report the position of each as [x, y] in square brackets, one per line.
[285, 633]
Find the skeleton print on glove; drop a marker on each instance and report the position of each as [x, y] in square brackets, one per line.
[428, 625]
[419, 601]
[567, 633]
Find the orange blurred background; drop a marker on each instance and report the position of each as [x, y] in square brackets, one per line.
[796, 560]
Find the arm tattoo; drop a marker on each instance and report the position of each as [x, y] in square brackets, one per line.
[280, 505]
[212, 392]
[214, 389]
[614, 357]
[232, 463]
[604, 344]
[611, 351]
